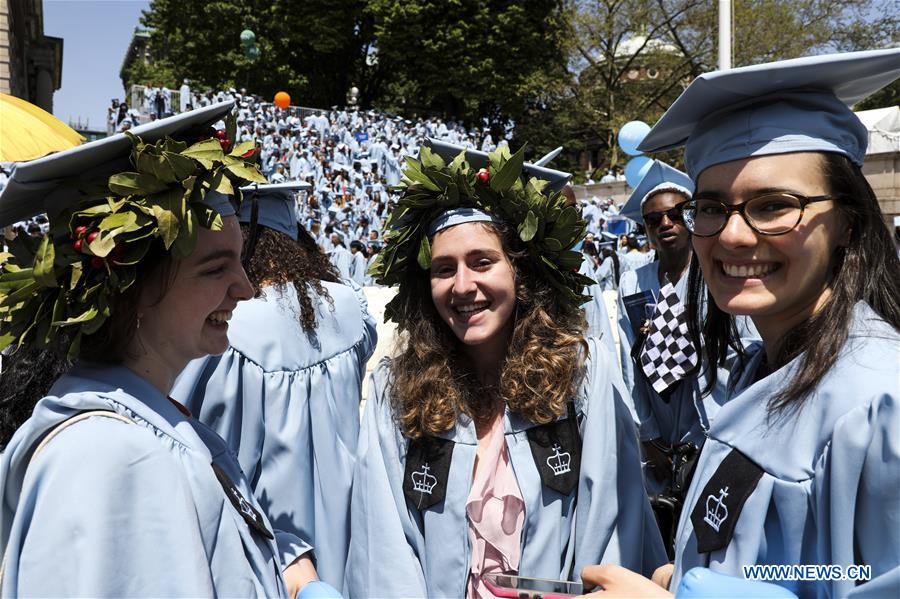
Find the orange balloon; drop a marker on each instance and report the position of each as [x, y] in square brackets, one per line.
[282, 100]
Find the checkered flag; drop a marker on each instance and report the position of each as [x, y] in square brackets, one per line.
[667, 355]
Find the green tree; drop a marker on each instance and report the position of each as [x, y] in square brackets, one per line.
[308, 50]
[563, 72]
[474, 60]
[614, 44]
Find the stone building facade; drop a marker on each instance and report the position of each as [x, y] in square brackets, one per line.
[30, 62]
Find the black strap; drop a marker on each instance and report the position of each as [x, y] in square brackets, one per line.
[556, 449]
[427, 470]
[719, 505]
[249, 513]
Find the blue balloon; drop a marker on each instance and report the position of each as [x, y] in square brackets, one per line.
[630, 135]
[318, 590]
[636, 169]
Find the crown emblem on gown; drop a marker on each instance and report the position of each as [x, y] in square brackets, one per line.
[716, 512]
[560, 461]
[422, 481]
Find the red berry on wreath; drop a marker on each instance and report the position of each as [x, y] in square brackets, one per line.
[483, 175]
[97, 262]
[80, 231]
[77, 244]
[220, 134]
[92, 236]
[224, 143]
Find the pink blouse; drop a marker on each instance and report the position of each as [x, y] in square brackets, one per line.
[496, 513]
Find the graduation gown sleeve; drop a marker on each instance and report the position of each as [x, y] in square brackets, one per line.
[385, 543]
[859, 500]
[614, 522]
[596, 314]
[138, 536]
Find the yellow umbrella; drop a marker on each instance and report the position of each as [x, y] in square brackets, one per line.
[28, 132]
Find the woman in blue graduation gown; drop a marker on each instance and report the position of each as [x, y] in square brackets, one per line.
[285, 394]
[111, 488]
[495, 421]
[802, 464]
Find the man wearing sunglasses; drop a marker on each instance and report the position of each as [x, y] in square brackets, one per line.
[668, 409]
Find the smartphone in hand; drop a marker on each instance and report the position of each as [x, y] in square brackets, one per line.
[522, 587]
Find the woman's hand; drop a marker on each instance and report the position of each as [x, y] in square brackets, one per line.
[616, 581]
[298, 574]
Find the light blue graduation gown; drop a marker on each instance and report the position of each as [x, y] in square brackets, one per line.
[342, 260]
[830, 486]
[358, 268]
[633, 260]
[114, 509]
[595, 310]
[287, 402]
[605, 275]
[398, 551]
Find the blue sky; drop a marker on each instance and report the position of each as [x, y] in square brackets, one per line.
[95, 36]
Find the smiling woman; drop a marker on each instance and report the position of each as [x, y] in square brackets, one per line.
[139, 275]
[801, 465]
[473, 287]
[496, 419]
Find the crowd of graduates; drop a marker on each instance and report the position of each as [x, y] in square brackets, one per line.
[189, 338]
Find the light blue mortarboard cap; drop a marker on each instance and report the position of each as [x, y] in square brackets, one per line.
[477, 159]
[660, 177]
[44, 184]
[277, 208]
[799, 105]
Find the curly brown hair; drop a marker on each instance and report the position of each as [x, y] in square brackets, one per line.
[432, 381]
[279, 259]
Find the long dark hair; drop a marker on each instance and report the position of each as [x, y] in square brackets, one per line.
[278, 258]
[27, 376]
[866, 270]
[607, 253]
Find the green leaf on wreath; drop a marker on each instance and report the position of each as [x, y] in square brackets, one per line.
[430, 159]
[43, 263]
[424, 257]
[247, 173]
[126, 184]
[206, 152]
[509, 172]
[528, 227]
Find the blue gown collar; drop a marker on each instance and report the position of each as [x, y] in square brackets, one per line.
[132, 391]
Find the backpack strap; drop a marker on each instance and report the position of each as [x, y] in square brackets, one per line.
[75, 420]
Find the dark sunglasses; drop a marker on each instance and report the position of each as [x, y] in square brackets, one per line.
[675, 214]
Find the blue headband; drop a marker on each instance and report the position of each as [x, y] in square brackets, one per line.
[458, 216]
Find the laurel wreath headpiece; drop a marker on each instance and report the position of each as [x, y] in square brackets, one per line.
[63, 282]
[548, 229]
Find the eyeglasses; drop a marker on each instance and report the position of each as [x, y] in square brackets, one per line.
[769, 214]
[653, 219]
